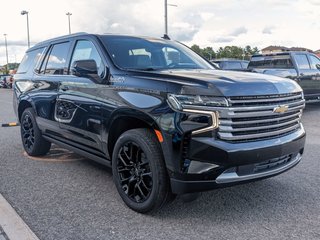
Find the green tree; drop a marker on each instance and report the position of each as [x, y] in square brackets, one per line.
[208, 53]
[226, 52]
[196, 48]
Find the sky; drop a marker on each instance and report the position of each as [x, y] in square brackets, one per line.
[214, 23]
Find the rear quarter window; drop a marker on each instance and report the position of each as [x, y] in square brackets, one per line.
[30, 60]
[56, 61]
[302, 61]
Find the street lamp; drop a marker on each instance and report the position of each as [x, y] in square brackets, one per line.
[166, 16]
[5, 42]
[24, 12]
[69, 14]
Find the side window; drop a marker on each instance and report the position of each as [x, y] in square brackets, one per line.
[30, 60]
[302, 61]
[244, 64]
[232, 65]
[315, 62]
[56, 60]
[85, 50]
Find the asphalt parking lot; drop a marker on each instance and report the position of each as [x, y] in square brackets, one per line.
[69, 197]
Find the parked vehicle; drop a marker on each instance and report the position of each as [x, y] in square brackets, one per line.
[161, 116]
[231, 64]
[6, 81]
[303, 67]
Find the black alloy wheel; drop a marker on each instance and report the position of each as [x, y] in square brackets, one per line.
[33, 142]
[139, 171]
[27, 132]
[134, 172]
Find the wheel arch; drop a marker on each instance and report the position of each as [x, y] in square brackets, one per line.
[126, 119]
[24, 104]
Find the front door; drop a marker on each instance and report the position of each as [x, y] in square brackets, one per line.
[309, 78]
[77, 109]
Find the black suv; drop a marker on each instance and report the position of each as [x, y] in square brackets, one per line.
[161, 116]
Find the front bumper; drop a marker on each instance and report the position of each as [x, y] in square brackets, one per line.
[222, 164]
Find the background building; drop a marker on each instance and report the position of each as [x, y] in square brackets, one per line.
[273, 49]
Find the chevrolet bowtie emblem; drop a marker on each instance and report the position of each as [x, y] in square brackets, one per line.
[281, 109]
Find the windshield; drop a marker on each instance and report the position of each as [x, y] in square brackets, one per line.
[277, 62]
[151, 54]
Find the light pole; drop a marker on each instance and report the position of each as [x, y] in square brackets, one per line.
[69, 14]
[24, 12]
[6, 44]
[166, 16]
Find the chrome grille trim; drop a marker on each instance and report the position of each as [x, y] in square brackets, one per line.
[229, 122]
[231, 129]
[259, 100]
[231, 137]
[254, 118]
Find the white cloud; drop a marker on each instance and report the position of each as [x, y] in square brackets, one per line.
[238, 31]
[223, 39]
[268, 30]
[204, 22]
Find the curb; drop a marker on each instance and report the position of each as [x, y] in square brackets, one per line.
[12, 227]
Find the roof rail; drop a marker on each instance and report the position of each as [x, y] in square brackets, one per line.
[60, 37]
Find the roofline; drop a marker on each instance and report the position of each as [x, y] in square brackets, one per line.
[228, 59]
[280, 53]
[58, 38]
[87, 34]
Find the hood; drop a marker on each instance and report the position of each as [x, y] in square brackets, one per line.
[225, 83]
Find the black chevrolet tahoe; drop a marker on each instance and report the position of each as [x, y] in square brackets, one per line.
[161, 116]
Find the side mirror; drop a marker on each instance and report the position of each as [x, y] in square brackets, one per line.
[318, 66]
[84, 68]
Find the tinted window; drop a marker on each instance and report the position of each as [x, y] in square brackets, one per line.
[271, 62]
[244, 64]
[30, 60]
[56, 61]
[86, 50]
[315, 62]
[302, 61]
[151, 54]
[231, 65]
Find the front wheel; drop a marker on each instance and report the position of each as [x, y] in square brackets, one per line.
[33, 142]
[139, 171]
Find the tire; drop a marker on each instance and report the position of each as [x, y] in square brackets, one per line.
[139, 171]
[33, 142]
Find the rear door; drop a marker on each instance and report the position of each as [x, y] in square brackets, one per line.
[77, 108]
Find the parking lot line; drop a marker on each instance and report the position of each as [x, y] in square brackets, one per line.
[12, 224]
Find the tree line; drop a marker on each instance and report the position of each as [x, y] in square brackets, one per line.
[226, 52]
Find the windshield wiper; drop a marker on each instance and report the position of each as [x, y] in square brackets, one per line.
[145, 69]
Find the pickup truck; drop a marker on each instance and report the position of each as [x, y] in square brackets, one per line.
[303, 67]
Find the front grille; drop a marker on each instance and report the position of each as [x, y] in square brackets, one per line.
[253, 118]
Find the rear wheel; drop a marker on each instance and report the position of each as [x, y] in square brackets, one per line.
[33, 142]
[139, 171]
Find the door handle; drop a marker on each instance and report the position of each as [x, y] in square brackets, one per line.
[64, 88]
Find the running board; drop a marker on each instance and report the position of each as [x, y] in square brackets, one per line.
[81, 152]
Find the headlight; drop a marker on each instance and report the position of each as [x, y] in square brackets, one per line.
[181, 102]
